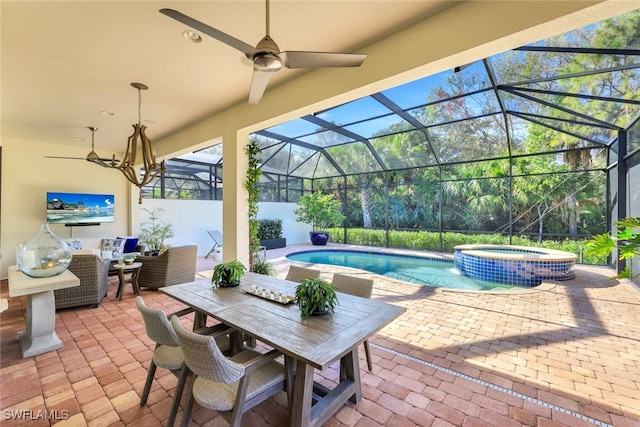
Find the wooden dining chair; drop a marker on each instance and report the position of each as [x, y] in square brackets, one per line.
[231, 385]
[359, 287]
[167, 353]
[299, 274]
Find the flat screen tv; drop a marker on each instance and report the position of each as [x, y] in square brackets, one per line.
[80, 208]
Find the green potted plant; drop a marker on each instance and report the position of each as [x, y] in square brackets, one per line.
[154, 232]
[228, 274]
[129, 259]
[626, 240]
[270, 234]
[262, 266]
[321, 211]
[315, 297]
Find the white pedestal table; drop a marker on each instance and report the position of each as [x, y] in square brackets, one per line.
[40, 336]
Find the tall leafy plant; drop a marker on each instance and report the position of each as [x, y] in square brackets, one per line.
[626, 240]
[254, 173]
[154, 232]
[319, 210]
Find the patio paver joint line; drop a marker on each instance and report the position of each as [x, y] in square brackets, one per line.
[493, 386]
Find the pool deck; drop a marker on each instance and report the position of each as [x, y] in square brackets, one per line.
[562, 354]
[573, 344]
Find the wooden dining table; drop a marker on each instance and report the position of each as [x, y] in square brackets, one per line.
[316, 342]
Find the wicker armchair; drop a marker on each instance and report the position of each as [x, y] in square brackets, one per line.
[92, 272]
[173, 266]
[167, 353]
[230, 386]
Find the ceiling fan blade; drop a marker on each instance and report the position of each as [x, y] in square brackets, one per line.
[302, 59]
[92, 156]
[258, 86]
[105, 163]
[243, 47]
[67, 158]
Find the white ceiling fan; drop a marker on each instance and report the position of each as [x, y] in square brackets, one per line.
[92, 156]
[267, 57]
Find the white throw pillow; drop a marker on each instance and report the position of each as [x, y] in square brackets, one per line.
[113, 247]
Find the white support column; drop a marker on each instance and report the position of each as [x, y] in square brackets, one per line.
[235, 208]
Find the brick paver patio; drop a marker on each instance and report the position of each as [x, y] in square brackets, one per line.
[565, 354]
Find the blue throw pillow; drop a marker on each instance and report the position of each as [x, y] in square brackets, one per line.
[130, 244]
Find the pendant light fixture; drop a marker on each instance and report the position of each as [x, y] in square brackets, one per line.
[128, 163]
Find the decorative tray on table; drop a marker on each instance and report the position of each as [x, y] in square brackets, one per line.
[268, 293]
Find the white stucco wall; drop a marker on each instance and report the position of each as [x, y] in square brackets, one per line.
[192, 219]
[293, 231]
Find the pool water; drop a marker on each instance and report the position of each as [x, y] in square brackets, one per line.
[414, 269]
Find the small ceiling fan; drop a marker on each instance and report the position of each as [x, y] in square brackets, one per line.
[267, 57]
[92, 156]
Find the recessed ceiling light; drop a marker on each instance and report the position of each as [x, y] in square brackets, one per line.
[107, 113]
[192, 36]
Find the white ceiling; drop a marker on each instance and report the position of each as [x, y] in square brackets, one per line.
[63, 63]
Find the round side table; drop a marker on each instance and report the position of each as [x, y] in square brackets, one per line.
[125, 268]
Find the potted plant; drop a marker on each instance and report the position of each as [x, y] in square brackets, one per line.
[154, 232]
[626, 240]
[227, 274]
[270, 234]
[129, 259]
[321, 211]
[315, 297]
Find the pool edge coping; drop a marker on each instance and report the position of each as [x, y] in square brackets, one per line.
[544, 286]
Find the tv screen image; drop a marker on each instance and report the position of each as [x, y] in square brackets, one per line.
[80, 208]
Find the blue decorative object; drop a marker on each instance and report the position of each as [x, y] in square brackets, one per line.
[319, 238]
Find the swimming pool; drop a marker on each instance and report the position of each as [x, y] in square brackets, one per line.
[420, 270]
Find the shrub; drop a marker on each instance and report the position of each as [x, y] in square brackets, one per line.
[320, 210]
[262, 266]
[428, 241]
[270, 229]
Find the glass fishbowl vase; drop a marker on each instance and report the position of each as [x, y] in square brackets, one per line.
[45, 255]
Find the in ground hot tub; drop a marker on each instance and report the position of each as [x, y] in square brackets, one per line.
[514, 265]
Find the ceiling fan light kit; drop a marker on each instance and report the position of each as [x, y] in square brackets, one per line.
[269, 63]
[266, 56]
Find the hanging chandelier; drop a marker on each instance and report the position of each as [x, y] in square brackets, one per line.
[128, 163]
